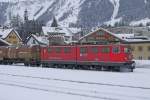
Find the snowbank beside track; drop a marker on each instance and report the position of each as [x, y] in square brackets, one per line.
[142, 63]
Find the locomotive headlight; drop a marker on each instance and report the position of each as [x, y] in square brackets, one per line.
[129, 57]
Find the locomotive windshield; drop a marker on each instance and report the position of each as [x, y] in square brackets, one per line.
[127, 50]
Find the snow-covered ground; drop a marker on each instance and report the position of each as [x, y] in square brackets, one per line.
[31, 83]
[142, 63]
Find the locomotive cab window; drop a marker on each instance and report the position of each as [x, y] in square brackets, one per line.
[105, 50]
[116, 49]
[83, 50]
[67, 50]
[127, 50]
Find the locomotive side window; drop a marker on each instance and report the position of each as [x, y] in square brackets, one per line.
[49, 50]
[94, 49]
[105, 50]
[140, 48]
[67, 50]
[116, 49]
[148, 48]
[58, 50]
[83, 50]
[126, 50]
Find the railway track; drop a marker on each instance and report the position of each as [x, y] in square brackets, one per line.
[86, 94]
[73, 81]
[93, 94]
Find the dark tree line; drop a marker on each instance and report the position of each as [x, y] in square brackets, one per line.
[26, 27]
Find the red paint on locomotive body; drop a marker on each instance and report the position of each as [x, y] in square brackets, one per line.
[87, 53]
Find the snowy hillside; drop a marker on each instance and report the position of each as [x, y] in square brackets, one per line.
[78, 12]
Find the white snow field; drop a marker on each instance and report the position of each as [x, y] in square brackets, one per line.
[142, 63]
[32, 83]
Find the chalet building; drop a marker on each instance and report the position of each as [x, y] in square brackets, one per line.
[138, 31]
[100, 36]
[140, 45]
[11, 36]
[140, 49]
[36, 40]
[63, 33]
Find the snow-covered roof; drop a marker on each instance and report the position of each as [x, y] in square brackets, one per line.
[133, 38]
[39, 39]
[138, 39]
[60, 30]
[5, 32]
[129, 38]
[5, 42]
[115, 35]
[125, 35]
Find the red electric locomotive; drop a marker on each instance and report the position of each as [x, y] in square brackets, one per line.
[95, 57]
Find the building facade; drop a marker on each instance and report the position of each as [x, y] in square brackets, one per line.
[100, 36]
[140, 45]
[36, 40]
[140, 50]
[10, 36]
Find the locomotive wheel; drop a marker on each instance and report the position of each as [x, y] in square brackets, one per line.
[10, 63]
[26, 64]
[5, 63]
[43, 64]
[38, 65]
[70, 66]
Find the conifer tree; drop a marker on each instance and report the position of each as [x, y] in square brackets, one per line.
[54, 23]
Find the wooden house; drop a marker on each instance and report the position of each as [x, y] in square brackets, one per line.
[101, 36]
[140, 45]
[11, 36]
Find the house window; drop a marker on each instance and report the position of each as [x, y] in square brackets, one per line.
[140, 48]
[100, 33]
[9, 36]
[140, 57]
[49, 50]
[83, 50]
[33, 41]
[132, 48]
[94, 49]
[149, 58]
[105, 50]
[116, 50]
[148, 48]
